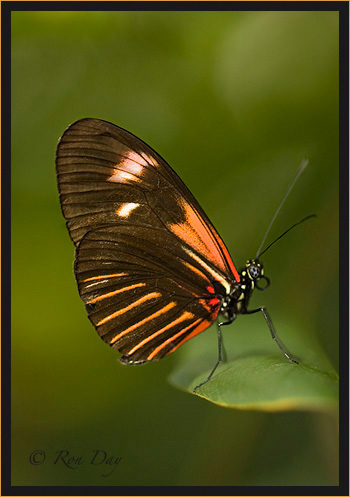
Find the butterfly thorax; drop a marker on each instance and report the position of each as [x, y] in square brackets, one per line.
[238, 299]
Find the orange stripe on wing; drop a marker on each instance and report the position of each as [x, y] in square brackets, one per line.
[143, 321]
[214, 273]
[195, 232]
[171, 339]
[110, 294]
[105, 276]
[193, 333]
[195, 270]
[198, 235]
[140, 301]
[184, 315]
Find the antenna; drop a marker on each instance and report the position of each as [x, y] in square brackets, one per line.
[301, 168]
[285, 232]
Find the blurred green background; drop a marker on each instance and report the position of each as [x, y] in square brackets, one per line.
[233, 101]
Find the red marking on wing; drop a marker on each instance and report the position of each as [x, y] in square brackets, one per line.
[213, 301]
[208, 305]
[210, 289]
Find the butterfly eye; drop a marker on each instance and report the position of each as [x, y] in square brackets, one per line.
[254, 271]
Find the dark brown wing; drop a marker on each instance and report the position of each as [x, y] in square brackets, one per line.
[106, 174]
[147, 256]
[143, 291]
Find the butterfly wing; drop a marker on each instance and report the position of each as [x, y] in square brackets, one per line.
[139, 293]
[147, 256]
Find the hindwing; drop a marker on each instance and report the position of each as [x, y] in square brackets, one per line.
[139, 292]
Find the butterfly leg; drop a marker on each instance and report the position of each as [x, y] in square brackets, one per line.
[220, 347]
[272, 331]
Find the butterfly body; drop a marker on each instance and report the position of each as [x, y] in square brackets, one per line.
[151, 269]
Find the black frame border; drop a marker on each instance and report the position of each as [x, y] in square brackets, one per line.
[342, 7]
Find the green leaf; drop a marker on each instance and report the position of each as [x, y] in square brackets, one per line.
[259, 377]
[266, 383]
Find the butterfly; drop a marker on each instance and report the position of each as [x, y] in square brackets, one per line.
[150, 267]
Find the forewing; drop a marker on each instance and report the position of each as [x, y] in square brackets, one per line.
[107, 176]
[140, 292]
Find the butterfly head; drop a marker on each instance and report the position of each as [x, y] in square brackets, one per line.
[255, 269]
[255, 272]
